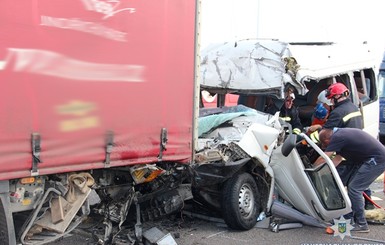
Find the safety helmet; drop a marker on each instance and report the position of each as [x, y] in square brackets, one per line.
[336, 89]
[320, 111]
[322, 98]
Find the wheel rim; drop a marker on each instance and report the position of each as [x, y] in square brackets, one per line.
[246, 200]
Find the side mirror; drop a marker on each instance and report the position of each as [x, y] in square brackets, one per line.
[289, 144]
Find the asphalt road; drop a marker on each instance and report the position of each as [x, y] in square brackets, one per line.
[188, 230]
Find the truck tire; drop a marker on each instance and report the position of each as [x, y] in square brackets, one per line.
[4, 236]
[240, 202]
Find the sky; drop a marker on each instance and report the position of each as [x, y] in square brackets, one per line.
[343, 21]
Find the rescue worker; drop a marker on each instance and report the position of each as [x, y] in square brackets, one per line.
[345, 114]
[289, 112]
[365, 157]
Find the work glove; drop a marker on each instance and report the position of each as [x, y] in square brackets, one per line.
[315, 137]
[296, 131]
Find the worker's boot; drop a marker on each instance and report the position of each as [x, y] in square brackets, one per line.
[360, 228]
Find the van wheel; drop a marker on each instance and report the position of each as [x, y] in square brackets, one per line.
[4, 236]
[240, 202]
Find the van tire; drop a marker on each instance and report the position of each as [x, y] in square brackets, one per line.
[4, 235]
[240, 202]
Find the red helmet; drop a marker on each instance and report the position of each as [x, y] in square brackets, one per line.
[336, 89]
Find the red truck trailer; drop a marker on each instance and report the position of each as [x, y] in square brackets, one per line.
[94, 93]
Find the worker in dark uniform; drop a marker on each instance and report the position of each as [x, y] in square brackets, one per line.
[365, 155]
[345, 114]
[289, 112]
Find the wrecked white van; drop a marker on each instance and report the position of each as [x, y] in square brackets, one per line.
[259, 70]
[248, 163]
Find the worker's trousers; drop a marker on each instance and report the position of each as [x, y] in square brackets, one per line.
[360, 181]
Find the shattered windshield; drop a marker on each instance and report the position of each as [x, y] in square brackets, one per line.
[326, 188]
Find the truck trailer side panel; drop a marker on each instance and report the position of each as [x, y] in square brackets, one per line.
[79, 78]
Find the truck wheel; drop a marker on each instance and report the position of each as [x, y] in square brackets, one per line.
[4, 237]
[240, 202]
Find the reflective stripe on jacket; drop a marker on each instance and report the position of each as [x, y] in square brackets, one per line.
[351, 115]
